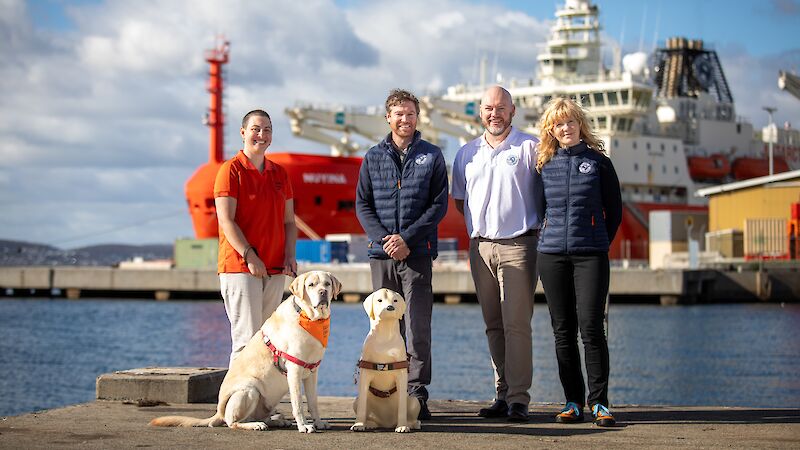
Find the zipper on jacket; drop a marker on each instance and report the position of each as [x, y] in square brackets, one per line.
[566, 215]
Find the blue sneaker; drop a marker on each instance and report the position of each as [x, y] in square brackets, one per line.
[572, 413]
[602, 416]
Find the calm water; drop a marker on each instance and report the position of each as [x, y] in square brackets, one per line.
[51, 351]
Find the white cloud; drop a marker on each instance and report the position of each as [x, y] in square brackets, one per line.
[100, 124]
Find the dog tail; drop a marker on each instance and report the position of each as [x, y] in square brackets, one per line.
[183, 421]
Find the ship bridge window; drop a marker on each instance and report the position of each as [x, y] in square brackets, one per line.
[612, 98]
[598, 99]
[624, 97]
[601, 123]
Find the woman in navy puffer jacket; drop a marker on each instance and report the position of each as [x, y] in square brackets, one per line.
[582, 209]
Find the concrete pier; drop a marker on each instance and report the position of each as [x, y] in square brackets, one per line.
[114, 424]
[124, 423]
[452, 282]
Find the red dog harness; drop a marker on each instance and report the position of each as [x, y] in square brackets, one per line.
[277, 355]
[321, 336]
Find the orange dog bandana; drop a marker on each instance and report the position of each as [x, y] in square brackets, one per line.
[320, 329]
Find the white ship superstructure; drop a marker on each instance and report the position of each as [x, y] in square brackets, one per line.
[668, 121]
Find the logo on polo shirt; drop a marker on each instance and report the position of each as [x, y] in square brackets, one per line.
[585, 167]
[420, 160]
[512, 160]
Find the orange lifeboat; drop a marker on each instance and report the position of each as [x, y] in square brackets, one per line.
[747, 167]
[714, 167]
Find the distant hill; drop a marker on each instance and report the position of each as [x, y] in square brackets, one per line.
[18, 253]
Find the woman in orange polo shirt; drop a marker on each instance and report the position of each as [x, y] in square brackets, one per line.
[257, 233]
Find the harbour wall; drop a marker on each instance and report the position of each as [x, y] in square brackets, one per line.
[452, 283]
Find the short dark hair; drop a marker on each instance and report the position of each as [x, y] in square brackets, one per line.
[255, 112]
[398, 96]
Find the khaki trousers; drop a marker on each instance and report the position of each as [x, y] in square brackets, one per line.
[504, 272]
[249, 301]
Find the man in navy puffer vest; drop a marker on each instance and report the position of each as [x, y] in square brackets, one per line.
[400, 200]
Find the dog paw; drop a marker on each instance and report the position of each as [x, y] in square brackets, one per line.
[306, 428]
[322, 425]
[253, 426]
[402, 429]
[278, 421]
[358, 426]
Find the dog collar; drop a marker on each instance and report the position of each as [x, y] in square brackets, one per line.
[319, 329]
[382, 366]
[277, 355]
[382, 394]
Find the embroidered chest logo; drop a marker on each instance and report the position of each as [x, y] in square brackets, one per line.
[585, 167]
[512, 160]
[420, 160]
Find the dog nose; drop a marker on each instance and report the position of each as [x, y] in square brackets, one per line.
[390, 308]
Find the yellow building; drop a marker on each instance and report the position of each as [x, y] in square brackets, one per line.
[757, 209]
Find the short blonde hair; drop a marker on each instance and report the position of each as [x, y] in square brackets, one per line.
[561, 109]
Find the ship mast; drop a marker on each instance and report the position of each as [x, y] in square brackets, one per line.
[573, 50]
[215, 120]
[200, 186]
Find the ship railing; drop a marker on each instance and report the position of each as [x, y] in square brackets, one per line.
[338, 107]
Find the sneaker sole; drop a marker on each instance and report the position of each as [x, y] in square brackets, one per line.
[560, 419]
[605, 422]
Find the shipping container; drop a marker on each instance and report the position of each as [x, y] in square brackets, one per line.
[313, 251]
[728, 243]
[766, 238]
[196, 253]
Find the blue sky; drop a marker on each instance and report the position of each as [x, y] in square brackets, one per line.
[102, 99]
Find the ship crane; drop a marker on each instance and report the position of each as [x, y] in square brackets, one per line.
[789, 82]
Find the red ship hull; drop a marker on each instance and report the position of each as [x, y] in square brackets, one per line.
[325, 192]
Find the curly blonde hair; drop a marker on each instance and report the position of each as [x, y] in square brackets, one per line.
[561, 109]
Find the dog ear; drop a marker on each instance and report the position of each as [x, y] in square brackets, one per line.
[368, 307]
[337, 285]
[298, 285]
[401, 304]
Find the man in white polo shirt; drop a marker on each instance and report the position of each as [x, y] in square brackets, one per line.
[493, 187]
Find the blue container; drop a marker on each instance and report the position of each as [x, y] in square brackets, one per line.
[309, 251]
[339, 251]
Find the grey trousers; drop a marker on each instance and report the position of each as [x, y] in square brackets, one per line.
[411, 278]
[504, 272]
[249, 301]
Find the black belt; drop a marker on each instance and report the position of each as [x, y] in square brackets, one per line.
[534, 232]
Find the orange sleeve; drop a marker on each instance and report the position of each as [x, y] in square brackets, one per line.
[226, 184]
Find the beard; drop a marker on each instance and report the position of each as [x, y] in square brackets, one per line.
[496, 130]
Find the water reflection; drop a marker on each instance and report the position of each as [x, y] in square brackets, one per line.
[51, 351]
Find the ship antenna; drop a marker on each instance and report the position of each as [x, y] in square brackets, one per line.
[658, 25]
[641, 33]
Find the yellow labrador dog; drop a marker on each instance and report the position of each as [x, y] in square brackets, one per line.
[284, 353]
[383, 400]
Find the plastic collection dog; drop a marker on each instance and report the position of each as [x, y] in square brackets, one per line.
[383, 400]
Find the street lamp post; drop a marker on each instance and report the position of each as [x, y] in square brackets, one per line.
[770, 110]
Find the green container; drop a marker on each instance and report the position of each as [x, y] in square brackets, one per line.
[196, 253]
